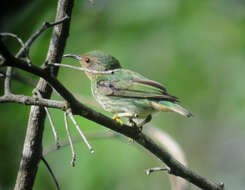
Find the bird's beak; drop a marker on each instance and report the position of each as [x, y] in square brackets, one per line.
[77, 57]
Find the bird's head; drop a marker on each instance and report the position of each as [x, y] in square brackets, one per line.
[98, 61]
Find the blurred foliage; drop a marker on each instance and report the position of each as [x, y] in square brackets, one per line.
[195, 48]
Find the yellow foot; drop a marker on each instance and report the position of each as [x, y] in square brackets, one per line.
[130, 141]
[117, 119]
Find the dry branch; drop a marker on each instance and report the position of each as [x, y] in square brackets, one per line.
[70, 140]
[56, 137]
[70, 114]
[30, 100]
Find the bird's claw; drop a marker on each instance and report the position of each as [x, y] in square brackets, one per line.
[130, 140]
[117, 119]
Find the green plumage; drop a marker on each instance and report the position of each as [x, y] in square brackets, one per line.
[127, 93]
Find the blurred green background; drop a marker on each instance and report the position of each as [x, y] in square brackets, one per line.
[196, 48]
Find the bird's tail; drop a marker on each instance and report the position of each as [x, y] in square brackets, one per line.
[171, 107]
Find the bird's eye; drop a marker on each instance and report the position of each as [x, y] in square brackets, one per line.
[87, 60]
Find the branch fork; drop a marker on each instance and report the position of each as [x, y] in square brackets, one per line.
[68, 112]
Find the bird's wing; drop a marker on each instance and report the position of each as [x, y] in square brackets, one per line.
[135, 87]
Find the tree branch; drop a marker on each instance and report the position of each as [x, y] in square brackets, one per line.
[32, 150]
[176, 168]
[29, 100]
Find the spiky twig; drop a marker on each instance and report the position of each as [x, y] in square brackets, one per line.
[70, 141]
[69, 112]
[56, 137]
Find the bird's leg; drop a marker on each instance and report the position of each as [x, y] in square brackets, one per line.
[146, 120]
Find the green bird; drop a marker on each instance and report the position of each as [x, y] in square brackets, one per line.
[126, 93]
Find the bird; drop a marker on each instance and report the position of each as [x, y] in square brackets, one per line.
[125, 93]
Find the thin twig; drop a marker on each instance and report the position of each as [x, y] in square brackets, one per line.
[91, 136]
[51, 172]
[25, 49]
[156, 169]
[84, 69]
[9, 71]
[56, 137]
[80, 131]
[70, 141]
[7, 82]
[13, 36]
